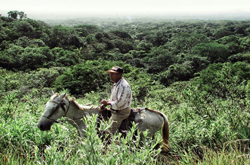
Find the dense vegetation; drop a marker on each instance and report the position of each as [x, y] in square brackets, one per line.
[196, 72]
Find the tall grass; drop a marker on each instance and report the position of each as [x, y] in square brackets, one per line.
[23, 143]
[203, 130]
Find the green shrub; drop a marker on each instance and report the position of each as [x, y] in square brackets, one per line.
[43, 77]
[213, 51]
[158, 60]
[176, 72]
[223, 79]
[244, 57]
[85, 77]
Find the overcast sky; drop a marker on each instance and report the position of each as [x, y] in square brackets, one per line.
[30, 7]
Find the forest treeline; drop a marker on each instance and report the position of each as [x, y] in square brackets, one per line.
[166, 51]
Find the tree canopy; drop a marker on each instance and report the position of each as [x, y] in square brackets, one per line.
[168, 51]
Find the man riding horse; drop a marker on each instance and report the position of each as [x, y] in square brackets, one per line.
[120, 99]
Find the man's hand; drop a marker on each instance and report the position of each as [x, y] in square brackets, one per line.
[102, 107]
[105, 102]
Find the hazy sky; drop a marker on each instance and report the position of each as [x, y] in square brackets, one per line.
[122, 6]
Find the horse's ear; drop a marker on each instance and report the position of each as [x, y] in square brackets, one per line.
[62, 96]
[52, 92]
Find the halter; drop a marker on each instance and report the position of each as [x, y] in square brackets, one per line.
[62, 106]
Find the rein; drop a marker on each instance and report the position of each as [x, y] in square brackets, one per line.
[62, 106]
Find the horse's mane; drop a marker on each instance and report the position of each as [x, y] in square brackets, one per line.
[54, 96]
[83, 107]
[80, 106]
[73, 100]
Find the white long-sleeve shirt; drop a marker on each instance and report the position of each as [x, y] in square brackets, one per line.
[121, 95]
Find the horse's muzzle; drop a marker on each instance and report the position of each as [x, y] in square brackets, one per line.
[44, 126]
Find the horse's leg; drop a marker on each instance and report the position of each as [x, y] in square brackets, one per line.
[79, 125]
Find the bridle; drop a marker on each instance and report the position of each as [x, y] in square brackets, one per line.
[62, 103]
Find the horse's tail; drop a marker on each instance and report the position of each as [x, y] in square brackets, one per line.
[165, 130]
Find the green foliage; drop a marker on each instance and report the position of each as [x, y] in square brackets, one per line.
[86, 77]
[63, 57]
[184, 42]
[35, 146]
[23, 28]
[5, 60]
[213, 51]
[43, 77]
[141, 84]
[90, 39]
[12, 104]
[25, 41]
[10, 81]
[155, 46]
[144, 46]
[85, 30]
[225, 88]
[158, 59]
[177, 72]
[223, 79]
[232, 43]
[223, 31]
[171, 66]
[240, 57]
[124, 47]
[13, 14]
[64, 37]
[121, 34]
[32, 58]
[13, 58]
[244, 42]
[36, 57]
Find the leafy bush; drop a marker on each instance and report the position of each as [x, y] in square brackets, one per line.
[32, 58]
[85, 77]
[121, 34]
[14, 54]
[23, 28]
[213, 51]
[43, 77]
[223, 79]
[223, 31]
[244, 57]
[85, 30]
[158, 59]
[10, 80]
[232, 43]
[176, 72]
[63, 57]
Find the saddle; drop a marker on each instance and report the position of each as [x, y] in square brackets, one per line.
[126, 123]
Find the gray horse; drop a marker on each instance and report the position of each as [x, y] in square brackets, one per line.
[61, 105]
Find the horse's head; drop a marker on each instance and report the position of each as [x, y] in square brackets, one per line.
[55, 108]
